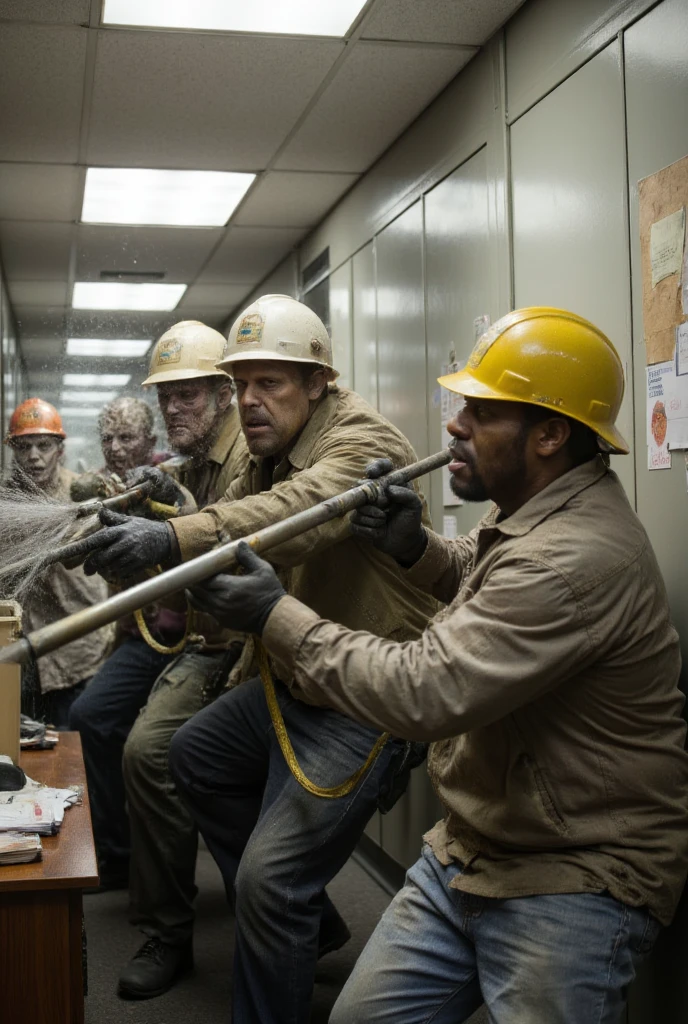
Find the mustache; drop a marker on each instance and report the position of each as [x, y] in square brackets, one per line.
[255, 421]
[458, 454]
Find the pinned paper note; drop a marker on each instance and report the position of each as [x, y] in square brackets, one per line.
[666, 245]
[682, 350]
[676, 391]
[658, 455]
[449, 527]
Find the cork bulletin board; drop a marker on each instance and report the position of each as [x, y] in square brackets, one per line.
[662, 196]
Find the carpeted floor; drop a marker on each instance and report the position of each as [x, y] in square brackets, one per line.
[203, 997]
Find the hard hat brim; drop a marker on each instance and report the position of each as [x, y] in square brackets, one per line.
[464, 383]
[24, 431]
[254, 355]
[169, 375]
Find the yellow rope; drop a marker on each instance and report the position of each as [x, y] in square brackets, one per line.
[285, 743]
[148, 636]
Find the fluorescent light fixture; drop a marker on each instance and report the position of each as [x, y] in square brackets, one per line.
[117, 195]
[114, 349]
[95, 380]
[116, 295]
[88, 396]
[81, 413]
[295, 17]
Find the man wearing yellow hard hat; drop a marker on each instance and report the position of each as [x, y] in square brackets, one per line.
[548, 687]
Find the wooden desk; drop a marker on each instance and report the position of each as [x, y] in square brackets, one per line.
[41, 978]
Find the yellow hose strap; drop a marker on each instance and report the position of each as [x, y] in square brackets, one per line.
[285, 743]
[164, 511]
[146, 633]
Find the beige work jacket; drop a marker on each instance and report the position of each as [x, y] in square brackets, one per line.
[549, 684]
[60, 592]
[327, 568]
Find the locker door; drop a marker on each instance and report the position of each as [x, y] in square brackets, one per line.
[365, 324]
[340, 323]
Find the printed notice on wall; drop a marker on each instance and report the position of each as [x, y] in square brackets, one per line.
[682, 350]
[450, 405]
[658, 375]
[666, 246]
[449, 527]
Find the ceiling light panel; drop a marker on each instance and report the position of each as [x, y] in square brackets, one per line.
[297, 17]
[117, 195]
[112, 349]
[95, 380]
[116, 295]
[80, 413]
[88, 396]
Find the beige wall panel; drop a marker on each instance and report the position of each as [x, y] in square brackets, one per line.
[340, 324]
[548, 39]
[365, 324]
[569, 211]
[457, 274]
[452, 128]
[656, 100]
[401, 327]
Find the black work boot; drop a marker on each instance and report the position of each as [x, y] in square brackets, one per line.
[154, 969]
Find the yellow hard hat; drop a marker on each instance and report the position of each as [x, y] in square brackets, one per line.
[187, 350]
[278, 327]
[552, 358]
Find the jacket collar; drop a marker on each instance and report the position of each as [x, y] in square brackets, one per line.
[229, 432]
[547, 501]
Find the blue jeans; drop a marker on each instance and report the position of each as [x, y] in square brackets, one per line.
[274, 842]
[104, 715]
[438, 953]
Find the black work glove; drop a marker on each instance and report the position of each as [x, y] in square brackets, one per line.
[130, 545]
[164, 487]
[395, 523]
[243, 602]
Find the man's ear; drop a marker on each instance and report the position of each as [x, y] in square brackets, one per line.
[551, 435]
[224, 395]
[316, 384]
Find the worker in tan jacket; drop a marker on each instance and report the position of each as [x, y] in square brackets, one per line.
[277, 843]
[548, 685]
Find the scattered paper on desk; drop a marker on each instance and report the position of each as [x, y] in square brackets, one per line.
[666, 245]
[449, 527]
[658, 375]
[35, 808]
[16, 848]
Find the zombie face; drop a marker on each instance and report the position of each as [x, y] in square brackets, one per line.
[192, 411]
[126, 434]
[38, 456]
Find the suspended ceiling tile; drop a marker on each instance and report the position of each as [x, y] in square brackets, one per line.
[248, 254]
[293, 198]
[187, 100]
[379, 90]
[64, 12]
[179, 253]
[39, 192]
[468, 22]
[42, 354]
[38, 293]
[223, 297]
[33, 251]
[41, 84]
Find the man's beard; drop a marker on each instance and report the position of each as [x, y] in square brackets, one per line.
[475, 489]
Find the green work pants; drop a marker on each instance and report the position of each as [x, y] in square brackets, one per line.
[164, 839]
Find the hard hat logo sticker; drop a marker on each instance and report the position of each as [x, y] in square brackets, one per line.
[170, 352]
[484, 344]
[250, 329]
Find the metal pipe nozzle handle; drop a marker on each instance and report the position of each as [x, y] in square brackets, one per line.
[223, 557]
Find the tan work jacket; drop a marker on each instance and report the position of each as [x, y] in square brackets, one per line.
[207, 480]
[60, 592]
[327, 568]
[549, 684]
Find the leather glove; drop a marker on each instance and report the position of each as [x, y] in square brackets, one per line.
[164, 487]
[394, 525]
[130, 545]
[242, 602]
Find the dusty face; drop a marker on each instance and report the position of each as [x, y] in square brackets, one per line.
[275, 402]
[490, 451]
[125, 445]
[38, 455]
[192, 410]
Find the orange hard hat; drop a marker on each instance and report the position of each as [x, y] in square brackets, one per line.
[35, 416]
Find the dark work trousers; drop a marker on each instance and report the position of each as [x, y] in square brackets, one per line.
[104, 715]
[276, 843]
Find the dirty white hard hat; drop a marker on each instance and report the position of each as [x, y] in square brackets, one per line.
[277, 327]
[187, 350]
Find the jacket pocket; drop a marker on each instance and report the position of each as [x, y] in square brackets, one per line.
[546, 799]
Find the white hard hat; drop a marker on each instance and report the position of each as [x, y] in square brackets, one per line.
[189, 349]
[278, 327]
